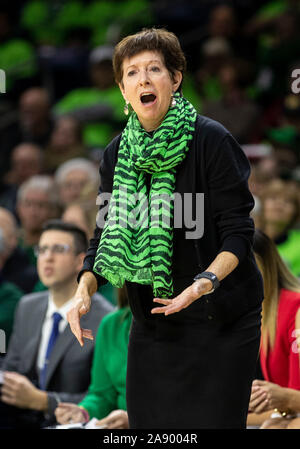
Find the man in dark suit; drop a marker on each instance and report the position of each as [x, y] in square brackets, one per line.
[44, 364]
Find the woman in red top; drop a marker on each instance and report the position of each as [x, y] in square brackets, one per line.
[276, 400]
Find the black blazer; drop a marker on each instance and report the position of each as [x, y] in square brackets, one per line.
[216, 166]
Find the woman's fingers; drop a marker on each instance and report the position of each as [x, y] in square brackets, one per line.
[68, 412]
[73, 318]
[259, 383]
[102, 423]
[163, 301]
[258, 401]
[116, 424]
[81, 307]
[63, 416]
[183, 300]
[112, 421]
[63, 411]
[262, 407]
[171, 305]
[255, 395]
[87, 333]
[67, 417]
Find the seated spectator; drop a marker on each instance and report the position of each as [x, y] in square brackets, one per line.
[285, 136]
[10, 295]
[279, 52]
[268, 14]
[37, 202]
[75, 213]
[75, 178]
[52, 25]
[280, 211]
[291, 113]
[262, 172]
[26, 161]
[279, 353]
[238, 113]
[34, 124]
[16, 268]
[215, 52]
[100, 106]
[284, 141]
[106, 397]
[224, 22]
[264, 168]
[67, 61]
[44, 364]
[65, 143]
[17, 55]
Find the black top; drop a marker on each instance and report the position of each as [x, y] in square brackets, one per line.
[215, 166]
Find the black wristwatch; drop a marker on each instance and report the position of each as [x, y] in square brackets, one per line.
[212, 277]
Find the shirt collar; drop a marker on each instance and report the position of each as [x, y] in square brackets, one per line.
[63, 310]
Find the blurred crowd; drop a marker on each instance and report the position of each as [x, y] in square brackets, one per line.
[61, 107]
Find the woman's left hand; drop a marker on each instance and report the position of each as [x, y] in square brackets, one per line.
[182, 301]
[272, 394]
[117, 419]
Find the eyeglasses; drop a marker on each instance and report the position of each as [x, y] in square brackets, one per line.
[54, 249]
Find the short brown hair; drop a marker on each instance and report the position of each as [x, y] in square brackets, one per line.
[150, 39]
[79, 236]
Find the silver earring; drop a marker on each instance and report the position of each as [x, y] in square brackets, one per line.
[126, 108]
[173, 101]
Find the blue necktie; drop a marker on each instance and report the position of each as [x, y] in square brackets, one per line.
[54, 334]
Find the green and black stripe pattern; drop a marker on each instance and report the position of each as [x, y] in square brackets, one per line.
[137, 239]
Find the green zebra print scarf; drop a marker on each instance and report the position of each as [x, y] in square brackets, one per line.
[137, 239]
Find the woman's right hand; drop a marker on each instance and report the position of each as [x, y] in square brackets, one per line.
[81, 306]
[67, 413]
[268, 396]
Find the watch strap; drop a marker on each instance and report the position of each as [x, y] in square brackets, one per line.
[211, 276]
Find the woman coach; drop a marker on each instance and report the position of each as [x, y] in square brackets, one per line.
[196, 302]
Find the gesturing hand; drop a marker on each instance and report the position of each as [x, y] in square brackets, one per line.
[81, 306]
[184, 299]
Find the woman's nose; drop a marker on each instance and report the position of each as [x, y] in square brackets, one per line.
[144, 80]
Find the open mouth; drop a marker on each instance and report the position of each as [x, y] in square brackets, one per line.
[148, 99]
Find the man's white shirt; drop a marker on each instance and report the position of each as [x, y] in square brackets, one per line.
[47, 327]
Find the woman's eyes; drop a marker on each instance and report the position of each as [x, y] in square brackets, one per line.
[153, 69]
